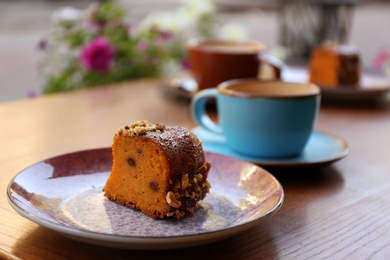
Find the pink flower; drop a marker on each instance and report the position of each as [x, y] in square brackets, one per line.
[97, 55]
[380, 59]
[142, 46]
[163, 37]
[185, 64]
[31, 93]
[166, 35]
[42, 45]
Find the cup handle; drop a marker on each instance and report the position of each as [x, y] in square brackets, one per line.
[271, 62]
[198, 110]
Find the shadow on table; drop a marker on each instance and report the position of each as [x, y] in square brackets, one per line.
[309, 183]
[303, 188]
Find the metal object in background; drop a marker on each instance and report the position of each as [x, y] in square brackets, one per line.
[307, 23]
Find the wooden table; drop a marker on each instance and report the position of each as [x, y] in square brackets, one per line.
[337, 212]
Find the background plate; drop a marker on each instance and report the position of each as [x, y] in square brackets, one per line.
[373, 84]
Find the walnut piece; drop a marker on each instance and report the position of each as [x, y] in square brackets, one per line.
[184, 181]
[140, 128]
[172, 201]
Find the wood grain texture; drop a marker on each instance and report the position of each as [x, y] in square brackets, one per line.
[337, 212]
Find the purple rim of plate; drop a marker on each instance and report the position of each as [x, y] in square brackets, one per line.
[64, 194]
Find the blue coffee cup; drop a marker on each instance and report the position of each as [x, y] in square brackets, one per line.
[271, 119]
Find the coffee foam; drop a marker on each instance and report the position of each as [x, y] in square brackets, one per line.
[268, 89]
[229, 47]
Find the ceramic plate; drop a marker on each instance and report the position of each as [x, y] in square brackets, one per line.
[64, 194]
[373, 85]
[183, 87]
[321, 150]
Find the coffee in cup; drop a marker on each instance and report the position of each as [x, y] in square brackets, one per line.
[215, 61]
[272, 119]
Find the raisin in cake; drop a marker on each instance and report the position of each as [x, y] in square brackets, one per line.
[157, 169]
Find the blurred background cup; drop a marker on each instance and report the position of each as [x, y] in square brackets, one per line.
[272, 119]
[214, 61]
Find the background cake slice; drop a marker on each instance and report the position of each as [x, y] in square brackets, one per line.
[157, 169]
[333, 64]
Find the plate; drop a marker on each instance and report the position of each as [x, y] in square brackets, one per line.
[373, 85]
[64, 194]
[183, 87]
[321, 150]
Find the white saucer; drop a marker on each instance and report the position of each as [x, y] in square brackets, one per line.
[321, 150]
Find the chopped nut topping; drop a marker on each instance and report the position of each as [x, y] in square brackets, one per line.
[204, 168]
[160, 126]
[179, 214]
[184, 181]
[198, 177]
[193, 195]
[177, 185]
[171, 200]
[140, 128]
[177, 195]
[191, 209]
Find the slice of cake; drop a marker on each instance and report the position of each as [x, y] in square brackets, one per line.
[157, 169]
[333, 64]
